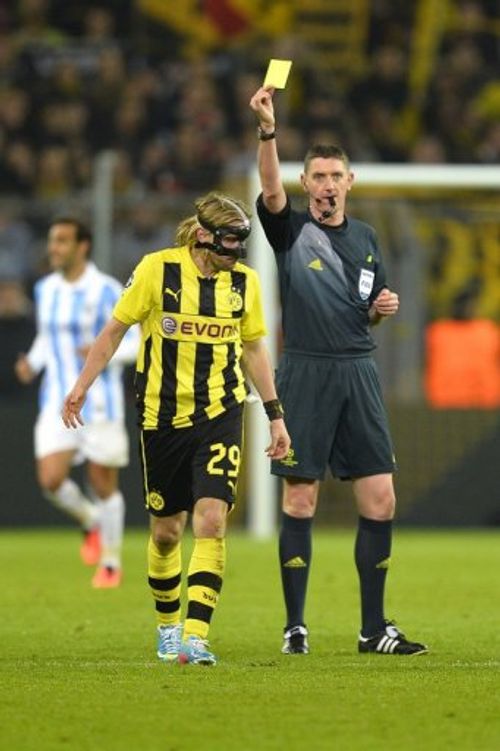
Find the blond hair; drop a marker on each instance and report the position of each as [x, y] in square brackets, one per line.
[214, 208]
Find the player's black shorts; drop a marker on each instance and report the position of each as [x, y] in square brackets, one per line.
[335, 417]
[182, 465]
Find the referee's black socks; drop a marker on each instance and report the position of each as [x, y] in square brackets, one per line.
[295, 549]
[372, 554]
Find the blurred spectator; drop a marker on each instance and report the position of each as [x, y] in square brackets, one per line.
[17, 170]
[291, 143]
[35, 30]
[475, 20]
[105, 94]
[8, 60]
[379, 101]
[390, 23]
[62, 123]
[386, 138]
[196, 158]
[200, 105]
[142, 232]
[14, 302]
[130, 126]
[15, 114]
[53, 177]
[240, 159]
[125, 183]
[66, 83]
[386, 83]
[488, 149]
[98, 28]
[450, 112]
[428, 149]
[154, 167]
[240, 117]
[16, 251]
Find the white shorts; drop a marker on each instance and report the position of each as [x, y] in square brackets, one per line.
[104, 443]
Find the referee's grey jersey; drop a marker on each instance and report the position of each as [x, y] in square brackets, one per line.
[328, 278]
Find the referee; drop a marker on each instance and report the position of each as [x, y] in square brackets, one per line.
[201, 316]
[333, 289]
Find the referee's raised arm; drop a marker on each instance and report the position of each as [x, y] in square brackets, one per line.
[273, 192]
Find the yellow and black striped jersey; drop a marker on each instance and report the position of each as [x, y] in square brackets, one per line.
[188, 367]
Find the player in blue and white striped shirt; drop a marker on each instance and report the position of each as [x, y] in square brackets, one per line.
[72, 305]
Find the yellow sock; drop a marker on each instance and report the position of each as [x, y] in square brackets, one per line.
[205, 575]
[164, 576]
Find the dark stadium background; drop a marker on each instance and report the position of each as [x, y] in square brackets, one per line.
[152, 99]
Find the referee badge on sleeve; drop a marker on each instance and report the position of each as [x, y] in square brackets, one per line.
[365, 283]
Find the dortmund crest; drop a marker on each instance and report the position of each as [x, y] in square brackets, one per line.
[155, 500]
[235, 300]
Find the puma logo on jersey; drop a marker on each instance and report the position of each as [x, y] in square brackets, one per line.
[316, 265]
[173, 294]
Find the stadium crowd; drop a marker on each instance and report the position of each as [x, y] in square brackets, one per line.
[80, 78]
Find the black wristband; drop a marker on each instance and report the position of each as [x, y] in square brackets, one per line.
[263, 136]
[274, 409]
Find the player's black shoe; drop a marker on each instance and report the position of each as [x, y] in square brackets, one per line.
[390, 641]
[295, 641]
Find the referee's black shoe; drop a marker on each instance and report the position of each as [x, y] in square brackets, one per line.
[390, 641]
[295, 641]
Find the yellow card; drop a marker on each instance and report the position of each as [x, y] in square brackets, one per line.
[277, 73]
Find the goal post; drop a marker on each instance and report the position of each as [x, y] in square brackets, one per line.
[262, 486]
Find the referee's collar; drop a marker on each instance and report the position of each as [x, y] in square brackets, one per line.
[340, 228]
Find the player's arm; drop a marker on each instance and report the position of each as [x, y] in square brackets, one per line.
[273, 192]
[126, 354]
[27, 366]
[258, 366]
[98, 357]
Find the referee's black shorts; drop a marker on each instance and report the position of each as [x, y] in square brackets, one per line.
[182, 465]
[335, 416]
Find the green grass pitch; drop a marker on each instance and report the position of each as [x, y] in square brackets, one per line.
[78, 670]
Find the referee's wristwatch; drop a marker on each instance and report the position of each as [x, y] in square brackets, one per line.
[263, 135]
